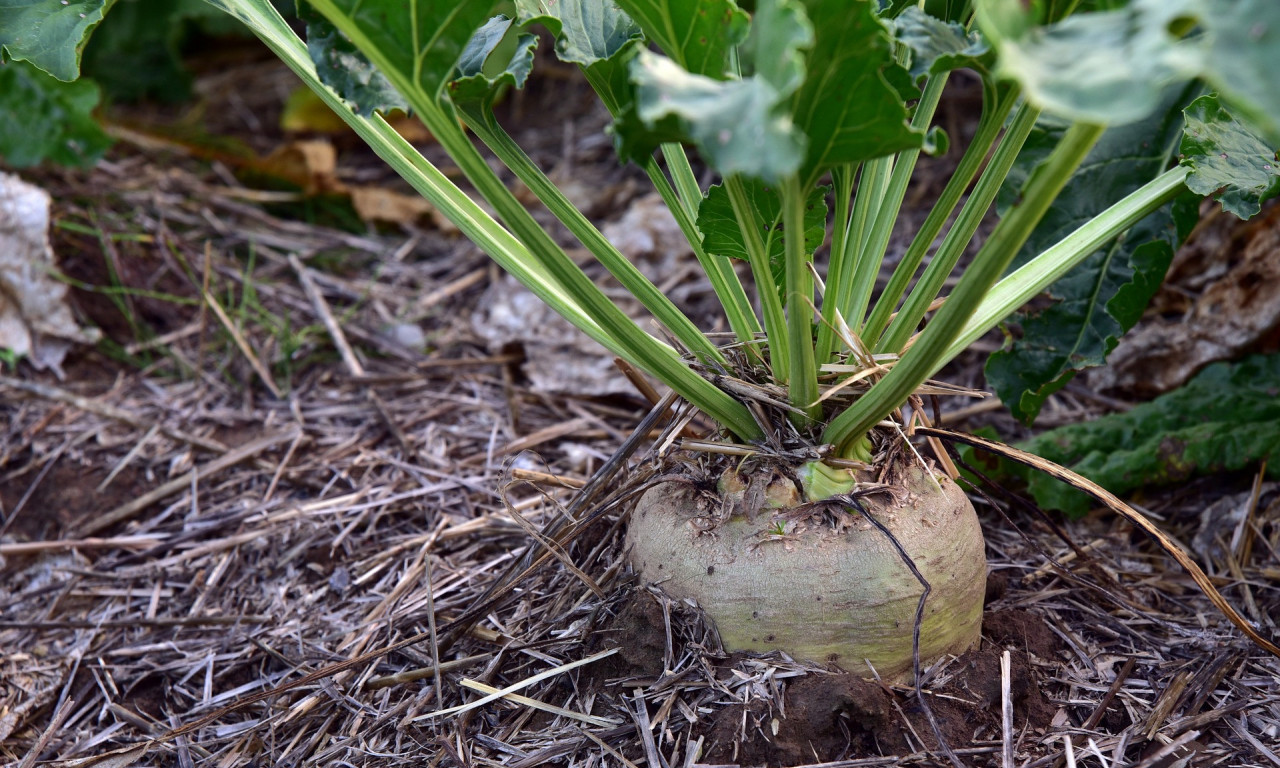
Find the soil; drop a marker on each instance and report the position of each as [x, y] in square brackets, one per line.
[829, 715]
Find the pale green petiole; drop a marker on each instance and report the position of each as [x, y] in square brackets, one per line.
[842, 178]
[1026, 282]
[637, 346]
[634, 281]
[920, 361]
[989, 125]
[961, 233]
[775, 321]
[470, 218]
[886, 213]
[799, 281]
[724, 281]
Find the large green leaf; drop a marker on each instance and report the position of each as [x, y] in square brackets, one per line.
[740, 126]
[737, 125]
[722, 236]
[42, 118]
[345, 69]
[595, 35]
[1225, 419]
[1227, 159]
[50, 34]
[843, 110]
[484, 70]
[1094, 304]
[418, 40]
[940, 46]
[1243, 57]
[846, 108]
[696, 34]
[1111, 66]
[586, 31]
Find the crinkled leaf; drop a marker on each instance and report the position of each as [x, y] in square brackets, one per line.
[1095, 303]
[1244, 56]
[697, 34]
[1227, 159]
[586, 31]
[611, 79]
[50, 34]
[736, 124]
[42, 118]
[421, 40]
[846, 108]
[483, 73]
[595, 35]
[936, 142]
[940, 46]
[345, 69]
[721, 235]
[1111, 66]
[1225, 419]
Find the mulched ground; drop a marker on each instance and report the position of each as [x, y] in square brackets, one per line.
[295, 449]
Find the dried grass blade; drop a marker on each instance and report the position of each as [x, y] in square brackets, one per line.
[90, 405]
[550, 546]
[476, 685]
[621, 758]
[1006, 712]
[263, 375]
[60, 716]
[60, 545]
[116, 758]
[516, 687]
[321, 308]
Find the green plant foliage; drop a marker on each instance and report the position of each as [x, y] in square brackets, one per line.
[1103, 297]
[345, 69]
[939, 46]
[1244, 56]
[722, 236]
[48, 33]
[597, 36]
[482, 71]
[814, 95]
[1227, 159]
[43, 119]
[1111, 66]
[586, 31]
[775, 100]
[740, 125]
[847, 109]
[736, 124]
[1225, 419]
[418, 41]
[696, 35]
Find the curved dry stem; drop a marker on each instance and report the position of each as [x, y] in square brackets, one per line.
[1120, 508]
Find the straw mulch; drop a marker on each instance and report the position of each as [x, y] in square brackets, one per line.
[178, 537]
